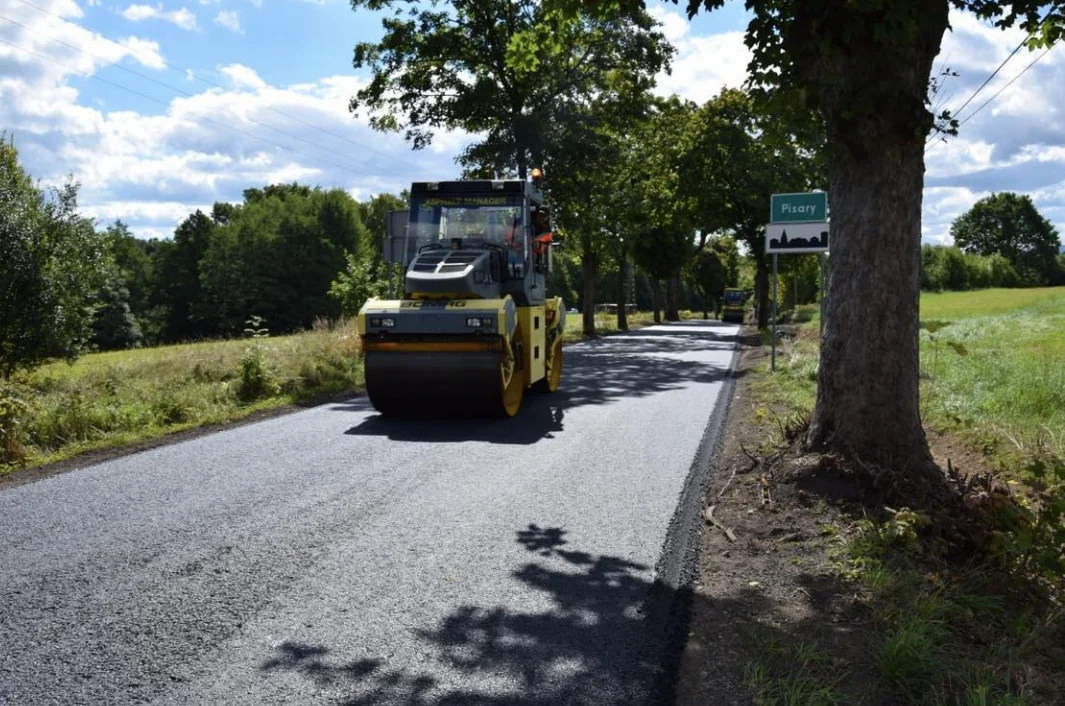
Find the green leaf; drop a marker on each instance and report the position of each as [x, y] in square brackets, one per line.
[933, 326]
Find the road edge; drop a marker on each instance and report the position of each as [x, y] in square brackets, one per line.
[669, 607]
[94, 457]
[86, 459]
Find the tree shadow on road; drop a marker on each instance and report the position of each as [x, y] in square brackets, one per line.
[603, 371]
[599, 643]
[611, 636]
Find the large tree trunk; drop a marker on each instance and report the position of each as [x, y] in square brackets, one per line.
[590, 269]
[623, 314]
[868, 385]
[761, 289]
[671, 300]
[656, 299]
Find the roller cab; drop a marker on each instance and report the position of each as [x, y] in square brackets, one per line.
[473, 330]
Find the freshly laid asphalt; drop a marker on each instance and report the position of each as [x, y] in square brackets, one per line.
[332, 556]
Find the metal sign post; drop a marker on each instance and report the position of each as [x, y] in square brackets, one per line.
[773, 360]
[798, 223]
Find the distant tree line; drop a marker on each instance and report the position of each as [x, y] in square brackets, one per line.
[281, 255]
[276, 256]
[1002, 241]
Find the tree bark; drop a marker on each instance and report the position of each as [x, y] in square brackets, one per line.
[761, 288]
[656, 299]
[868, 394]
[623, 314]
[590, 269]
[671, 300]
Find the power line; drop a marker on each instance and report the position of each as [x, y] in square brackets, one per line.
[135, 92]
[197, 77]
[1010, 83]
[986, 81]
[183, 92]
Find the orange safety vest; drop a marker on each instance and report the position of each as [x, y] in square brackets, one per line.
[543, 242]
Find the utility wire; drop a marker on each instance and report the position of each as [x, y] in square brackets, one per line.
[135, 92]
[982, 85]
[197, 77]
[1010, 83]
[181, 91]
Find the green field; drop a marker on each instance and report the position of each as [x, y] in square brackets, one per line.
[994, 371]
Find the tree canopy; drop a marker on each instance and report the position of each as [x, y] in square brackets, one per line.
[1010, 225]
[52, 266]
[508, 71]
[864, 69]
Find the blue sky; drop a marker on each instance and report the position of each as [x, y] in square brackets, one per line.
[279, 72]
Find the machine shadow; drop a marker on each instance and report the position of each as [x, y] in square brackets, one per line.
[597, 372]
[603, 641]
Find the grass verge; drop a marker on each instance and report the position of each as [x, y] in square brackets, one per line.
[606, 324]
[112, 399]
[836, 592]
[991, 373]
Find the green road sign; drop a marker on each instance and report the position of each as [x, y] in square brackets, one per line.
[798, 208]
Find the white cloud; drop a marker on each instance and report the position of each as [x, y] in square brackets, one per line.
[243, 76]
[146, 52]
[704, 64]
[1015, 143]
[152, 170]
[674, 25]
[183, 18]
[257, 3]
[230, 20]
[69, 48]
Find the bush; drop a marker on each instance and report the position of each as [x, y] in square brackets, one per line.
[256, 379]
[1031, 535]
[14, 411]
[359, 281]
[949, 268]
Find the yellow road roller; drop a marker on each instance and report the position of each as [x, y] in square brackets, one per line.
[474, 328]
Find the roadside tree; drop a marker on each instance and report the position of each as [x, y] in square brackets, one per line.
[1010, 225]
[51, 269]
[740, 155]
[865, 69]
[507, 71]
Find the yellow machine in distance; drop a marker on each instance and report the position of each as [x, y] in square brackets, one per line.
[734, 304]
[474, 329]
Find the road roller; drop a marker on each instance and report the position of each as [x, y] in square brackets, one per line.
[473, 330]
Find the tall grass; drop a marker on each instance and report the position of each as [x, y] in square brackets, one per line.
[1001, 384]
[114, 398]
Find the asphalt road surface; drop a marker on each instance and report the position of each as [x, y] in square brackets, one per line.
[335, 557]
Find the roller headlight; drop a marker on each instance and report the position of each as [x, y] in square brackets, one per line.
[473, 322]
[388, 323]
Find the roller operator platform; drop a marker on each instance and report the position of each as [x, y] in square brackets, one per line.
[474, 329]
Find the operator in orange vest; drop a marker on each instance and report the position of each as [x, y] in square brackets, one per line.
[544, 235]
